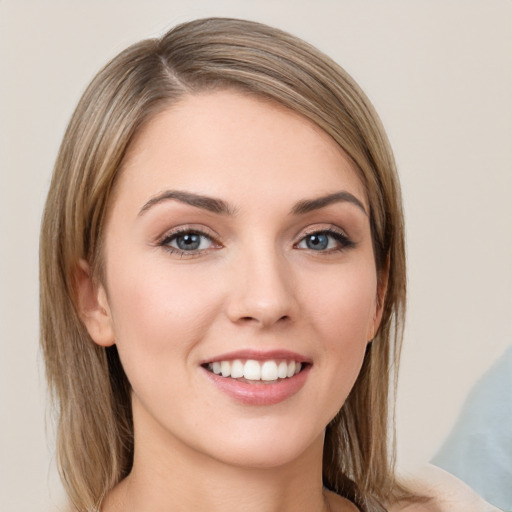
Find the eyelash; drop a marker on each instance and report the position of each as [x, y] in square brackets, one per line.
[341, 239]
[187, 231]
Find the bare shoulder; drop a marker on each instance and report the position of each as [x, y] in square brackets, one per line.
[447, 493]
[338, 504]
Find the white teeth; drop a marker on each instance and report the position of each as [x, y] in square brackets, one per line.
[269, 370]
[252, 370]
[282, 370]
[225, 368]
[237, 369]
[255, 370]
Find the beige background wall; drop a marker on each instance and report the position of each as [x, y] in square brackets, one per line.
[439, 73]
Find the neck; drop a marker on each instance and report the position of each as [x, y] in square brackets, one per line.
[170, 476]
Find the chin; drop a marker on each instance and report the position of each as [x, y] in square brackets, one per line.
[264, 447]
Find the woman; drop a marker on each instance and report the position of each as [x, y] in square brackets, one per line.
[223, 282]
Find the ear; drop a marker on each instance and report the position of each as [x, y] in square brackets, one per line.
[93, 307]
[382, 288]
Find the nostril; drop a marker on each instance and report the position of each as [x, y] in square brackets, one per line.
[246, 319]
[255, 309]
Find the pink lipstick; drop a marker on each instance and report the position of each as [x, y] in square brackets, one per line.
[258, 378]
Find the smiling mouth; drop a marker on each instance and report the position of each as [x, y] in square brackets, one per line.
[253, 371]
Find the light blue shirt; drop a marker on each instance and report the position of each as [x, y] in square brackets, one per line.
[479, 448]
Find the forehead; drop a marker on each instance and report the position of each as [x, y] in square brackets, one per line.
[227, 143]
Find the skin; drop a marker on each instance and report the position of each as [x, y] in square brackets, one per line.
[255, 283]
[449, 494]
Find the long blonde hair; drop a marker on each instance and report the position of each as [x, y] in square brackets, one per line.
[91, 391]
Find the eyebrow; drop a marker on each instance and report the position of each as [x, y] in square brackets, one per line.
[221, 207]
[310, 205]
[210, 204]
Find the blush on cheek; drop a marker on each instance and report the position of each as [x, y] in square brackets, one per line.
[161, 307]
[347, 313]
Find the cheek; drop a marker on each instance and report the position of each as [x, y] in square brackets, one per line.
[344, 308]
[343, 316]
[158, 311]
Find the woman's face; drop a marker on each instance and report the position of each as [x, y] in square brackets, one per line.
[238, 241]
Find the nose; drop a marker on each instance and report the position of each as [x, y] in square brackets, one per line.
[262, 291]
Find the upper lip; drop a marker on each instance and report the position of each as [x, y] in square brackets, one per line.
[259, 355]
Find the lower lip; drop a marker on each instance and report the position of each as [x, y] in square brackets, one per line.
[260, 393]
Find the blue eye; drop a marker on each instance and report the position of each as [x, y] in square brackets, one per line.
[325, 241]
[317, 242]
[187, 241]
